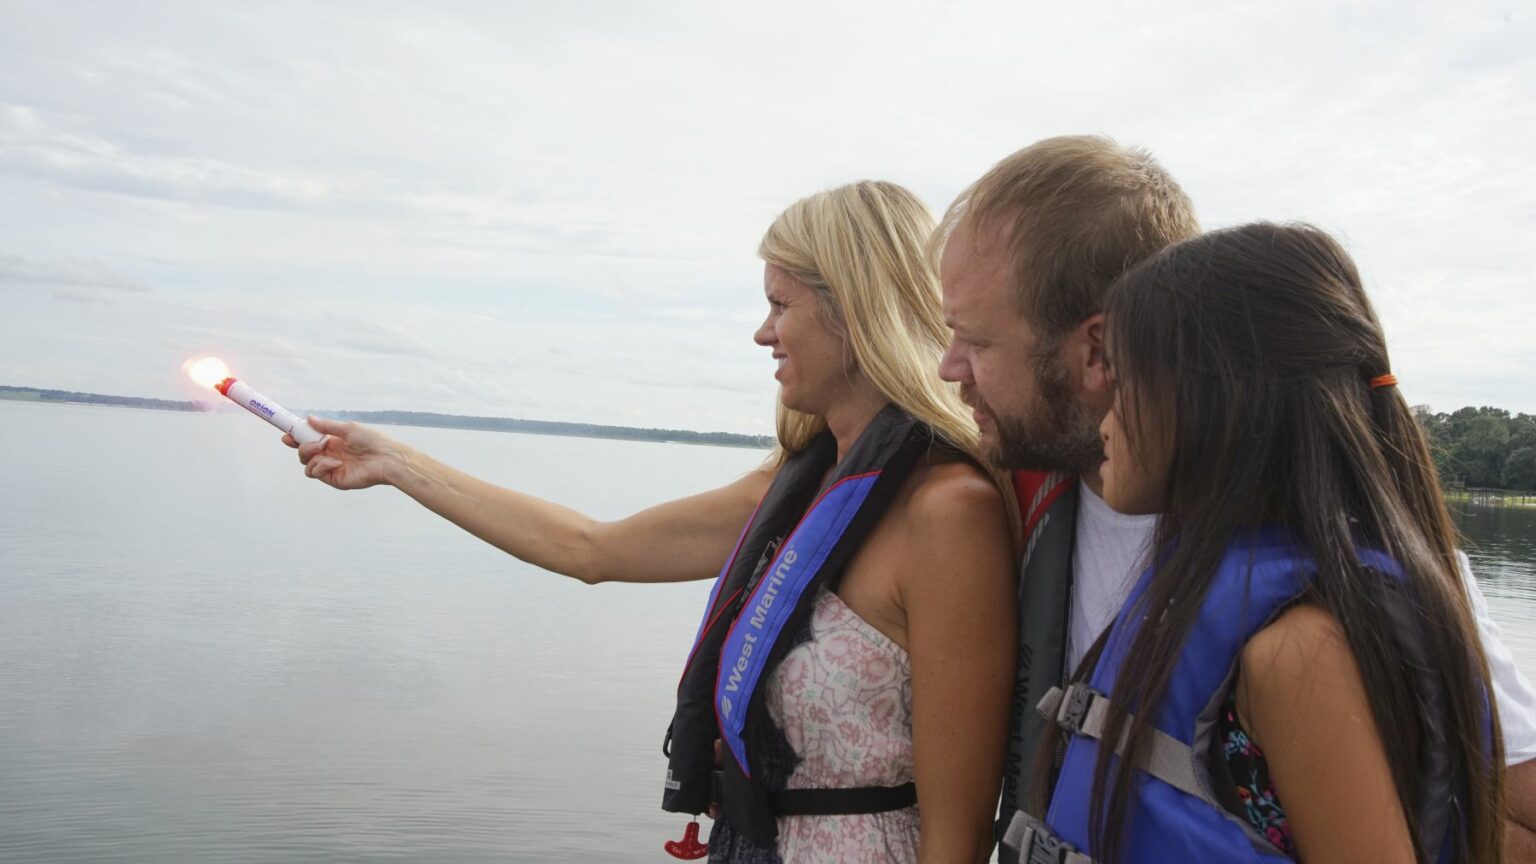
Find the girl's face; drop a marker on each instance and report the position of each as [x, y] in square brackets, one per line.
[1135, 473]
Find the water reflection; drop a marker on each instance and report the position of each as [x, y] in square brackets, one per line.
[1501, 541]
[205, 657]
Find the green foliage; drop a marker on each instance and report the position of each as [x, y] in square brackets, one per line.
[1482, 447]
[1520, 469]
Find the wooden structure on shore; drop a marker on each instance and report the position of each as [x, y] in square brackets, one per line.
[1498, 497]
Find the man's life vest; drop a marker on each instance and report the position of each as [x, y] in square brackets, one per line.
[1174, 815]
[1048, 510]
[804, 532]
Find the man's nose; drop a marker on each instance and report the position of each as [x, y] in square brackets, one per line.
[952, 368]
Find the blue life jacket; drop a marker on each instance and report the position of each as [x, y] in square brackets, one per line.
[804, 532]
[1173, 814]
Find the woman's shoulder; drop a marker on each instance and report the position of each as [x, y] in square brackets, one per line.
[953, 535]
[947, 487]
[951, 501]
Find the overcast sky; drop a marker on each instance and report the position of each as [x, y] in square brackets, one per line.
[551, 210]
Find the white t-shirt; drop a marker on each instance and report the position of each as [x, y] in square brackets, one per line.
[1111, 551]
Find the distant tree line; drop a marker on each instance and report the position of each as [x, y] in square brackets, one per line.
[421, 418]
[1485, 447]
[1482, 447]
[552, 427]
[34, 393]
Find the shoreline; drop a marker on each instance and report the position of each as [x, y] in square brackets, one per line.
[419, 419]
[1513, 501]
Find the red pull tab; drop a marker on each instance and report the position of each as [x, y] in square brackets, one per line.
[689, 848]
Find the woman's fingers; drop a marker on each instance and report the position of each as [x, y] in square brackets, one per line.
[314, 448]
[330, 427]
[321, 467]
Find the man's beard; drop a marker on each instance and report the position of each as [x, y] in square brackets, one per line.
[1058, 433]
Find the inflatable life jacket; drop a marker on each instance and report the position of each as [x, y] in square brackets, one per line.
[1048, 511]
[1174, 814]
[803, 534]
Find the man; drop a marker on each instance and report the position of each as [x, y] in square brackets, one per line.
[1027, 255]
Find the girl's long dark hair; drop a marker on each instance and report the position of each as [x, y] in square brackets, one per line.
[1256, 347]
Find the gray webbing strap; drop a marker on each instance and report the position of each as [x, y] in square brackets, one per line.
[1036, 843]
[1082, 710]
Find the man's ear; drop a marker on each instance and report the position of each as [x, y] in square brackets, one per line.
[1083, 352]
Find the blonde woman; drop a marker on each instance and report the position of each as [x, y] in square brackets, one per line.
[855, 659]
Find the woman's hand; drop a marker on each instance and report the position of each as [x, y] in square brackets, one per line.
[349, 456]
[672, 542]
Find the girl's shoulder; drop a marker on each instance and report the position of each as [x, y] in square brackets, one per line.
[1303, 656]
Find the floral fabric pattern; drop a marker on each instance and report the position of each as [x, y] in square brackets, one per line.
[1250, 777]
[841, 700]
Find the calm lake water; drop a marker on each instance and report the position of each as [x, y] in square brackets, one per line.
[206, 657]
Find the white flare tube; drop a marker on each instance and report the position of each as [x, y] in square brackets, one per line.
[241, 394]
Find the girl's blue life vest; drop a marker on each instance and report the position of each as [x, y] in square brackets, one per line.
[803, 534]
[1173, 812]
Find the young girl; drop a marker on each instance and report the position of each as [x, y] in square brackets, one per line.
[1296, 677]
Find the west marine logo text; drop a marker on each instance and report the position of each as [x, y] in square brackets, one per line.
[757, 621]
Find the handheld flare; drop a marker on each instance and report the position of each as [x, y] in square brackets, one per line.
[212, 372]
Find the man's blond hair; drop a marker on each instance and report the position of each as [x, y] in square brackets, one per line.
[1075, 212]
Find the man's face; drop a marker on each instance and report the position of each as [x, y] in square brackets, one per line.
[1021, 388]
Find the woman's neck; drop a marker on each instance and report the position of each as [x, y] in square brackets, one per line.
[847, 419]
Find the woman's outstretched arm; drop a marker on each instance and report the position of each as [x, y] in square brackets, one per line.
[677, 541]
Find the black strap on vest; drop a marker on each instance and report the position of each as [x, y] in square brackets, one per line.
[834, 802]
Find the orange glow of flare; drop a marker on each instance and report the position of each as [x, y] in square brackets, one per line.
[207, 371]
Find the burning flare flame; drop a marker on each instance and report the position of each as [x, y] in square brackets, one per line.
[207, 371]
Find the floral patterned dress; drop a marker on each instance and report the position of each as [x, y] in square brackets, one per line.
[1249, 793]
[841, 702]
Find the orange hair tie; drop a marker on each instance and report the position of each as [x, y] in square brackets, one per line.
[1380, 381]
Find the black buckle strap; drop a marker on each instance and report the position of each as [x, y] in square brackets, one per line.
[837, 802]
[1036, 843]
[1046, 848]
[1074, 709]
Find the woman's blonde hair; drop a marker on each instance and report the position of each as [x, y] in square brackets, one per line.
[861, 248]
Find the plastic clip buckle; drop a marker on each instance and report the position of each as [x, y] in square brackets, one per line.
[1046, 848]
[1074, 709]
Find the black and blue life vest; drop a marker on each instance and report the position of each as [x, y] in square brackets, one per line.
[799, 540]
[1174, 813]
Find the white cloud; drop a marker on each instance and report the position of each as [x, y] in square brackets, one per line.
[78, 280]
[536, 210]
